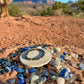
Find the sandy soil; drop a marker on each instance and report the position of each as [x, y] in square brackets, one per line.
[37, 30]
[30, 30]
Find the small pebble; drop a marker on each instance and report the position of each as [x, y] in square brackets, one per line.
[20, 76]
[74, 55]
[32, 70]
[71, 80]
[34, 79]
[12, 81]
[21, 81]
[7, 69]
[2, 71]
[82, 68]
[54, 73]
[20, 70]
[46, 74]
[39, 81]
[64, 53]
[64, 73]
[52, 63]
[72, 64]
[12, 68]
[62, 57]
[26, 70]
[51, 51]
[70, 75]
[81, 65]
[3, 62]
[44, 79]
[60, 80]
[27, 80]
[53, 77]
[58, 49]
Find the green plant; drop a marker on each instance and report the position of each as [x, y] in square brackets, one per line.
[0, 11]
[14, 11]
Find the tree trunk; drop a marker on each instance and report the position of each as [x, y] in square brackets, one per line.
[4, 8]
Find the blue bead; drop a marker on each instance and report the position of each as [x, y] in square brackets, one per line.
[79, 64]
[2, 71]
[38, 81]
[62, 57]
[20, 76]
[54, 73]
[12, 81]
[21, 50]
[20, 70]
[45, 74]
[7, 69]
[64, 73]
[52, 63]
[70, 74]
[44, 48]
[32, 70]
[55, 51]
[82, 68]
[13, 55]
[21, 81]
[7, 63]
[12, 68]
[44, 79]
[33, 46]
[53, 60]
[64, 53]
[4, 83]
[27, 48]
[3, 62]
[72, 64]
[58, 58]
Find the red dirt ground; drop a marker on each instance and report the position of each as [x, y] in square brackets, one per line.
[32, 30]
[37, 30]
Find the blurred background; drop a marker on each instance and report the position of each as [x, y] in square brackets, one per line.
[74, 8]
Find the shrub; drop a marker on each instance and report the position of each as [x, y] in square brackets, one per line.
[14, 11]
[0, 11]
[56, 9]
[48, 12]
[57, 5]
